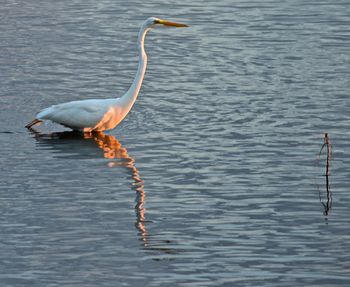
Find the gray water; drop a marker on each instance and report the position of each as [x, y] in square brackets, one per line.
[213, 179]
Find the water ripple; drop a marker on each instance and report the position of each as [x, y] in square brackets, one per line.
[214, 177]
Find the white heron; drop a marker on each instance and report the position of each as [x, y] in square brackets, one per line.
[103, 114]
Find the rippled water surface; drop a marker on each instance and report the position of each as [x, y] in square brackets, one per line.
[212, 180]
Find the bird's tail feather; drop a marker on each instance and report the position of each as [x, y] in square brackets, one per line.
[33, 123]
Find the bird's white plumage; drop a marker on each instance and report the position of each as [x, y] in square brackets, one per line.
[84, 115]
[104, 114]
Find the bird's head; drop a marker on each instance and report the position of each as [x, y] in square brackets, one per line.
[153, 21]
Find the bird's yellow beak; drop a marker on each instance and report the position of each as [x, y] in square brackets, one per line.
[168, 23]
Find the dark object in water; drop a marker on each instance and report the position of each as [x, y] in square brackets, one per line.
[327, 203]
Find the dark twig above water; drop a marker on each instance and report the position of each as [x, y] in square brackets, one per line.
[327, 201]
[327, 143]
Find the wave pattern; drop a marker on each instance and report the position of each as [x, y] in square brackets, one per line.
[214, 177]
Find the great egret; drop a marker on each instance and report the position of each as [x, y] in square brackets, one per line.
[103, 114]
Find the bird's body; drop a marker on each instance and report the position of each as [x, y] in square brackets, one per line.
[86, 115]
[102, 114]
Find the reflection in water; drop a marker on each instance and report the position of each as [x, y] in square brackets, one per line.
[112, 149]
[327, 204]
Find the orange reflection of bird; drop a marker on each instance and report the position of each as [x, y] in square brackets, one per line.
[118, 157]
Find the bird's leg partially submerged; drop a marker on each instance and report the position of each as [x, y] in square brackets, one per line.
[33, 123]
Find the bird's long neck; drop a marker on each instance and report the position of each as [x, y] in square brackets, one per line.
[130, 96]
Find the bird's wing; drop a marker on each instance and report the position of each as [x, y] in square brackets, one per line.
[77, 114]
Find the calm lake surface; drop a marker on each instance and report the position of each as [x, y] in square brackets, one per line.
[214, 177]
